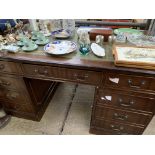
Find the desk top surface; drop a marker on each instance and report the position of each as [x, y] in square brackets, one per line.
[74, 59]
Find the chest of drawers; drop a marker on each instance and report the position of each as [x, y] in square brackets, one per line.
[124, 104]
[16, 92]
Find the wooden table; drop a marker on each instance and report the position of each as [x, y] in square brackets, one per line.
[124, 100]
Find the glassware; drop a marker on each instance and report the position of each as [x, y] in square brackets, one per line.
[69, 25]
[111, 39]
[84, 49]
[84, 42]
[99, 40]
[56, 24]
[45, 27]
[33, 24]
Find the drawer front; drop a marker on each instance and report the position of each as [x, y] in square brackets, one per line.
[74, 75]
[122, 116]
[13, 96]
[9, 67]
[130, 82]
[117, 128]
[116, 98]
[10, 82]
[19, 107]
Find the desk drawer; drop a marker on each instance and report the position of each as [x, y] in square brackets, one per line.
[75, 75]
[130, 82]
[13, 96]
[9, 67]
[11, 82]
[19, 107]
[118, 99]
[122, 115]
[117, 128]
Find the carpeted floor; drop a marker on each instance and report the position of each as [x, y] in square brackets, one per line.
[68, 113]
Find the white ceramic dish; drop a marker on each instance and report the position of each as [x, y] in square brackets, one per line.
[98, 50]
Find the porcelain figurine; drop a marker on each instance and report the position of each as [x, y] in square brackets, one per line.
[11, 38]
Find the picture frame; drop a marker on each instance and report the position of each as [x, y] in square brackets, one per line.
[131, 56]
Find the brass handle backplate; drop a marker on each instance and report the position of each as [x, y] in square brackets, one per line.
[81, 77]
[123, 104]
[45, 72]
[120, 116]
[2, 66]
[130, 82]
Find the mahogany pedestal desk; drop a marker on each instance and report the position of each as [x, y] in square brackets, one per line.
[124, 100]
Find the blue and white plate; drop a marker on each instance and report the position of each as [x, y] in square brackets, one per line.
[61, 34]
[60, 47]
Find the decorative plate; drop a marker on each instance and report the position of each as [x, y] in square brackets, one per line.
[127, 31]
[142, 41]
[30, 48]
[61, 34]
[97, 50]
[60, 47]
[42, 42]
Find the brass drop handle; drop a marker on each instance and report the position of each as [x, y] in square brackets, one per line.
[2, 66]
[45, 72]
[116, 128]
[12, 95]
[123, 104]
[4, 83]
[80, 77]
[120, 117]
[130, 82]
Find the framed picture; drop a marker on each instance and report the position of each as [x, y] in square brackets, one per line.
[131, 56]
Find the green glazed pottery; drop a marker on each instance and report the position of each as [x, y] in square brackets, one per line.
[30, 47]
[127, 31]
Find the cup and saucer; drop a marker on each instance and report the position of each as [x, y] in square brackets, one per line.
[42, 40]
[29, 46]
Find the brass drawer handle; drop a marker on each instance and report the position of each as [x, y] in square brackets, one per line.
[123, 104]
[120, 117]
[117, 128]
[130, 82]
[80, 77]
[2, 66]
[12, 95]
[45, 72]
[4, 83]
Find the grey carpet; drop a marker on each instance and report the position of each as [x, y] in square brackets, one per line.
[79, 116]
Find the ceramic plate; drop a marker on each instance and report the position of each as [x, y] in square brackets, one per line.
[98, 50]
[61, 34]
[19, 43]
[42, 42]
[34, 38]
[46, 34]
[60, 47]
[127, 31]
[142, 41]
[29, 49]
